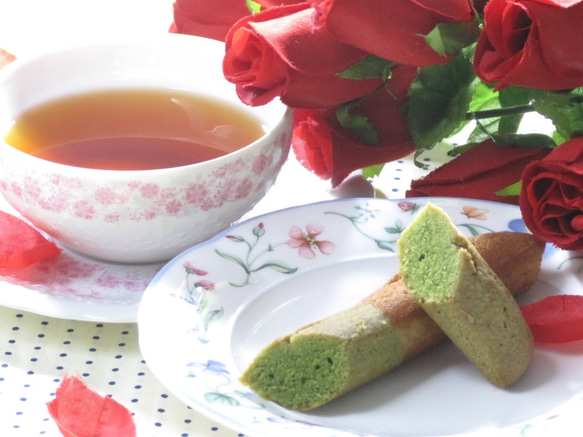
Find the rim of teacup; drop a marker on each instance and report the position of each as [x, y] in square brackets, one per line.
[188, 41]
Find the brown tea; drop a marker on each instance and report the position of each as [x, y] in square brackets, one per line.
[133, 129]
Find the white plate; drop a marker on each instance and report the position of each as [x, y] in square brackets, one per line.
[72, 286]
[209, 311]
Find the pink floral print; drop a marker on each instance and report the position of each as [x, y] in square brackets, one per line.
[135, 200]
[306, 241]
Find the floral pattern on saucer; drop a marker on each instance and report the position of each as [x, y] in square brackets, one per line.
[71, 276]
[73, 286]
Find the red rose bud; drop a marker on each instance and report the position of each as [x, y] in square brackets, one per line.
[80, 412]
[278, 53]
[312, 142]
[393, 29]
[21, 245]
[523, 44]
[551, 198]
[334, 151]
[209, 19]
[478, 173]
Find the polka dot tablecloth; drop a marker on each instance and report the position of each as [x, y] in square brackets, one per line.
[37, 351]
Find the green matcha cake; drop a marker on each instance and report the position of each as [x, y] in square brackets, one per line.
[335, 355]
[444, 271]
[326, 359]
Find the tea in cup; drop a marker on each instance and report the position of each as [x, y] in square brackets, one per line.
[134, 151]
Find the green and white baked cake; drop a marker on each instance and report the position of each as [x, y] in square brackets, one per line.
[326, 359]
[447, 275]
[329, 358]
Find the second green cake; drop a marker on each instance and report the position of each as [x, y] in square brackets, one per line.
[457, 288]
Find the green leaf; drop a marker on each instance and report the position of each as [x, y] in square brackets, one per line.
[357, 124]
[419, 164]
[511, 190]
[280, 267]
[439, 99]
[219, 398]
[449, 38]
[252, 6]
[514, 101]
[484, 98]
[508, 97]
[458, 150]
[397, 229]
[233, 258]
[372, 171]
[541, 141]
[385, 245]
[371, 67]
[212, 316]
[565, 109]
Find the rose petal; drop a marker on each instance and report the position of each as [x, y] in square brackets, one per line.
[392, 30]
[21, 245]
[478, 173]
[207, 19]
[80, 412]
[556, 319]
[326, 247]
[6, 58]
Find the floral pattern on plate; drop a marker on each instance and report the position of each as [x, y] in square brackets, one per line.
[208, 313]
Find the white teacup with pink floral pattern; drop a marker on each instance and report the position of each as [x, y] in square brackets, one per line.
[135, 216]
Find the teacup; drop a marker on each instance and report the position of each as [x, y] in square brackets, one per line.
[135, 216]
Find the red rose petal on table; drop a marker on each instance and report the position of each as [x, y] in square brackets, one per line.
[80, 412]
[556, 319]
[6, 58]
[21, 245]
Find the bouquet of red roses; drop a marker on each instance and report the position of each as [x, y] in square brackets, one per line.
[376, 80]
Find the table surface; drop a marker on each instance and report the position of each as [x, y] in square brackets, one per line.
[36, 350]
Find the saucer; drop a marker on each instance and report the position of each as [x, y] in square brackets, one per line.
[73, 286]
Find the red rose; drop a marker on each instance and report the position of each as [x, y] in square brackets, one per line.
[209, 19]
[323, 146]
[312, 142]
[392, 29]
[551, 199]
[531, 43]
[278, 53]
